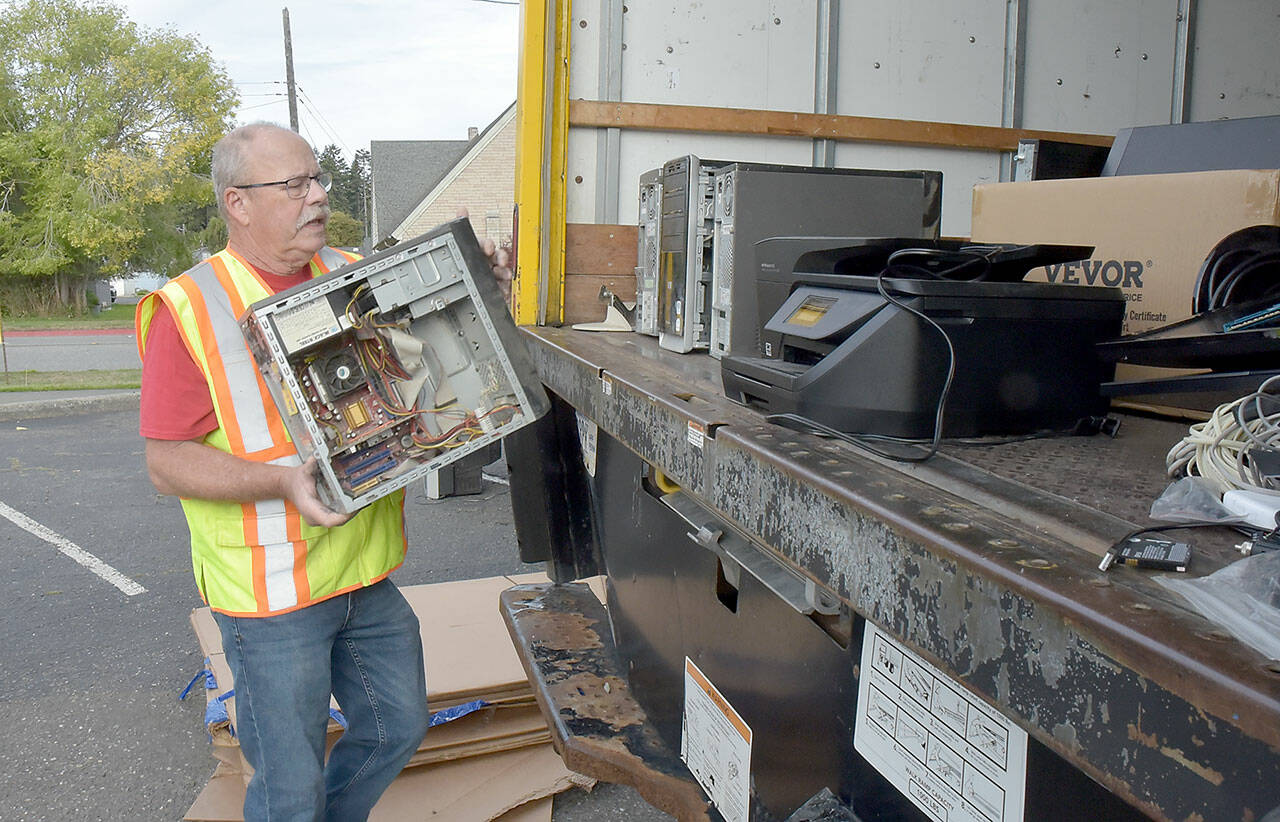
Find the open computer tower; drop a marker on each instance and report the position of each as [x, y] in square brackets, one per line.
[395, 365]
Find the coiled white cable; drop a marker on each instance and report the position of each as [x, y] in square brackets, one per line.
[1219, 449]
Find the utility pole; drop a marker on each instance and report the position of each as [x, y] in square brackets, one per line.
[288, 74]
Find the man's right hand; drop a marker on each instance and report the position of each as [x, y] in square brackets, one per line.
[300, 489]
[189, 468]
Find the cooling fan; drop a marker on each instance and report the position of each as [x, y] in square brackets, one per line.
[340, 372]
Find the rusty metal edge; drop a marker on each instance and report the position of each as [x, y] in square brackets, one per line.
[562, 631]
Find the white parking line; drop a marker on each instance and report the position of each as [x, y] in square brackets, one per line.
[66, 546]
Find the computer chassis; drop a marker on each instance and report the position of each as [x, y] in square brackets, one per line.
[395, 365]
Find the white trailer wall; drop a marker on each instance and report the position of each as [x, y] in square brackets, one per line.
[1080, 66]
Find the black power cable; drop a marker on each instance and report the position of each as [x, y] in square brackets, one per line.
[1243, 266]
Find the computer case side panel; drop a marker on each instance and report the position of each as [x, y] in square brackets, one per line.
[647, 252]
[765, 201]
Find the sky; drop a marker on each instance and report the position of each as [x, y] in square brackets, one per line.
[373, 70]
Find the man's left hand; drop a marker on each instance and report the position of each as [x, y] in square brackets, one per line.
[500, 260]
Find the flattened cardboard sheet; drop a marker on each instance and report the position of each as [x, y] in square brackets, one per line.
[472, 790]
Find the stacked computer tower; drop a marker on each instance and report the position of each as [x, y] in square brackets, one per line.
[700, 221]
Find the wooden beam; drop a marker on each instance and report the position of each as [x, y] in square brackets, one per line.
[600, 249]
[582, 296]
[596, 255]
[655, 117]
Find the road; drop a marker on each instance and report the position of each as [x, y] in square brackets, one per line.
[89, 676]
[70, 350]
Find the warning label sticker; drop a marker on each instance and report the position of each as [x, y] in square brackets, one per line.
[716, 745]
[950, 752]
[305, 324]
[588, 436]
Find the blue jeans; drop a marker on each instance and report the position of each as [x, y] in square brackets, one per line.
[363, 647]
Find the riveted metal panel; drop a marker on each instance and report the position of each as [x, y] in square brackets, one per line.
[1099, 66]
[923, 60]
[739, 53]
[1235, 65]
[932, 60]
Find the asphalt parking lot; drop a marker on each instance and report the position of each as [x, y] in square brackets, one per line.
[90, 676]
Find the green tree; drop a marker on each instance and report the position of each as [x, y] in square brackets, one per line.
[332, 161]
[360, 183]
[105, 134]
[343, 230]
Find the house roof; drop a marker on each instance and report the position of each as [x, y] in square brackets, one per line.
[404, 171]
[474, 148]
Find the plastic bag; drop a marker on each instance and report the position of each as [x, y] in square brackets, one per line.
[1191, 499]
[1243, 598]
[824, 806]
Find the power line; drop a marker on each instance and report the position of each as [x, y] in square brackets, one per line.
[259, 105]
[310, 110]
[303, 126]
[314, 109]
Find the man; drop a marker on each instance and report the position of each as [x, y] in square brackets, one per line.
[300, 593]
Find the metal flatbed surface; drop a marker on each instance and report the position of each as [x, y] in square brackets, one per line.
[982, 560]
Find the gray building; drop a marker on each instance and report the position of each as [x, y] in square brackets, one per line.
[404, 171]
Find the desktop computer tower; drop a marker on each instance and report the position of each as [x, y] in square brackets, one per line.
[755, 201]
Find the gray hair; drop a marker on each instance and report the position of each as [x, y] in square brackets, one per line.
[231, 158]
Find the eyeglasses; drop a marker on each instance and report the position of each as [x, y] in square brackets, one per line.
[297, 187]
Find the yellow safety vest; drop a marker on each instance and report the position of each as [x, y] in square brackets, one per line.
[261, 558]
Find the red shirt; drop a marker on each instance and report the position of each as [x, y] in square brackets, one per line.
[176, 403]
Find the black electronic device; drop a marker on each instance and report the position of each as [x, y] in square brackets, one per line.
[1057, 160]
[1139, 551]
[1198, 392]
[854, 353]
[1212, 145]
[785, 262]
[699, 220]
[754, 201]
[1202, 342]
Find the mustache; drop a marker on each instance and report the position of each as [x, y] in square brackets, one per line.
[320, 212]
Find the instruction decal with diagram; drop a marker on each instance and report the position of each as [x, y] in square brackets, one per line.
[953, 755]
[716, 745]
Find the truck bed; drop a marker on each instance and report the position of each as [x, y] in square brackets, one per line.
[983, 561]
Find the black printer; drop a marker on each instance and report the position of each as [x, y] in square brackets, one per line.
[845, 342]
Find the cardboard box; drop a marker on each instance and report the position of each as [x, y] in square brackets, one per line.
[495, 763]
[1151, 232]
